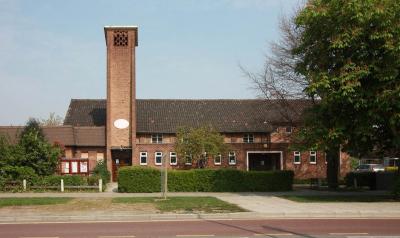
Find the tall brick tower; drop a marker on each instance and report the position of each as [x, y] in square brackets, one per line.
[121, 96]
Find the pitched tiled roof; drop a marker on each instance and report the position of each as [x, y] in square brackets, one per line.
[166, 115]
[66, 135]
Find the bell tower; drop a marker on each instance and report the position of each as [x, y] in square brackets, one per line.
[121, 42]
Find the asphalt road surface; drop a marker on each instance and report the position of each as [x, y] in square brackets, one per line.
[310, 228]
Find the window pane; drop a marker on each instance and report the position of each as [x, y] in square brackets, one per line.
[188, 159]
[248, 138]
[84, 166]
[313, 157]
[173, 159]
[217, 159]
[158, 158]
[143, 157]
[74, 167]
[232, 158]
[65, 167]
[297, 157]
[156, 138]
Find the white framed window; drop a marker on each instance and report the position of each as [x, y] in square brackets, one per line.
[156, 138]
[232, 158]
[173, 160]
[296, 157]
[99, 157]
[313, 157]
[218, 159]
[84, 155]
[188, 159]
[158, 158]
[143, 158]
[289, 129]
[248, 138]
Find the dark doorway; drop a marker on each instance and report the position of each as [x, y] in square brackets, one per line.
[264, 161]
[120, 158]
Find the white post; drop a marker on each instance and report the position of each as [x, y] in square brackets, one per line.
[24, 184]
[100, 185]
[62, 185]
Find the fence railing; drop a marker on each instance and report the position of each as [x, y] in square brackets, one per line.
[60, 187]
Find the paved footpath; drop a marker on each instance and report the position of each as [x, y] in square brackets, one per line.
[259, 205]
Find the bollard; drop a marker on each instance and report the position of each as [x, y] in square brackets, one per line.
[62, 185]
[100, 185]
[24, 184]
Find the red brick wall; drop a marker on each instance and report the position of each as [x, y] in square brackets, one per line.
[121, 90]
[303, 170]
[76, 152]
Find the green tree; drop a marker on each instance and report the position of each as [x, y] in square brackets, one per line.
[349, 53]
[198, 142]
[35, 151]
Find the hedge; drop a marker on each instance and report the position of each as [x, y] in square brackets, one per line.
[364, 179]
[139, 180]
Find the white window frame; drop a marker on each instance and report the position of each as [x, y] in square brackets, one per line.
[160, 154]
[313, 154]
[220, 159]
[173, 154]
[290, 131]
[186, 159]
[248, 138]
[158, 138]
[142, 154]
[229, 157]
[295, 154]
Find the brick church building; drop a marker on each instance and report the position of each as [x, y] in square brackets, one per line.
[127, 131]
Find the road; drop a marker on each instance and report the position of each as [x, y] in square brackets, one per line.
[210, 228]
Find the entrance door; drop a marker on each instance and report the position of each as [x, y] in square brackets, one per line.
[264, 161]
[120, 158]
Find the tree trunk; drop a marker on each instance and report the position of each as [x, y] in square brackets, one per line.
[332, 169]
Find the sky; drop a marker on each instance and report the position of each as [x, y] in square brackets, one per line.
[54, 50]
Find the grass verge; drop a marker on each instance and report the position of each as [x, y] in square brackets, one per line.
[334, 198]
[185, 204]
[5, 202]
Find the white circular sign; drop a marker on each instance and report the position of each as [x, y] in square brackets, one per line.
[121, 123]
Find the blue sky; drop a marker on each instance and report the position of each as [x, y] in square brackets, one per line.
[54, 50]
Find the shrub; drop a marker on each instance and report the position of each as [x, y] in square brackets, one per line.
[101, 171]
[2, 183]
[138, 179]
[69, 180]
[93, 180]
[363, 179]
[19, 173]
[396, 188]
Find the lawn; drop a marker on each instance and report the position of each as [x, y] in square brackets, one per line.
[5, 202]
[339, 198]
[184, 204]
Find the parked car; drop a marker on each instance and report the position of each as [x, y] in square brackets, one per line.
[370, 168]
